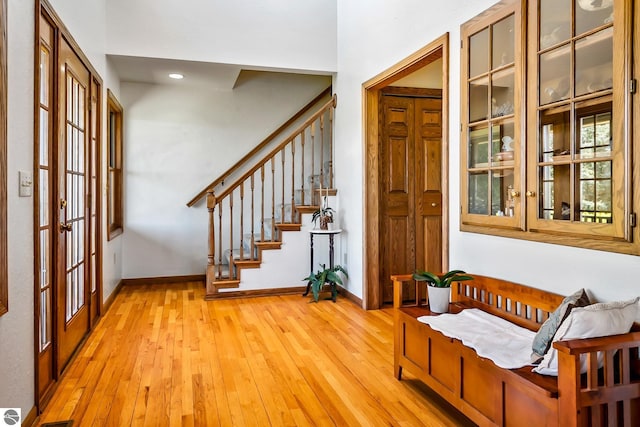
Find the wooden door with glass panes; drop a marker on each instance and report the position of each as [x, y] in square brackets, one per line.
[73, 263]
[492, 143]
[576, 116]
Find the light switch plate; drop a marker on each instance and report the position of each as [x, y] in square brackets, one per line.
[25, 180]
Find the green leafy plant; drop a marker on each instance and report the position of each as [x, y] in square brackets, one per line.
[326, 212]
[443, 280]
[325, 275]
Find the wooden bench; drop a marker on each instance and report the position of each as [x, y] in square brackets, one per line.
[490, 395]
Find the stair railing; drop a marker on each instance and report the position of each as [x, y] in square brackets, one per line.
[249, 214]
[258, 148]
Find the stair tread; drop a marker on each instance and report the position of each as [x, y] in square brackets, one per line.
[307, 209]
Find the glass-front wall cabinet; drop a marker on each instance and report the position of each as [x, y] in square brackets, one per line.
[491, 117]
[577, 109]
[558, 168]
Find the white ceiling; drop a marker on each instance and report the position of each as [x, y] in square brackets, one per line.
[157, 70]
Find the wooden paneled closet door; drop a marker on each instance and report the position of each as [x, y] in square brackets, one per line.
[411, 187]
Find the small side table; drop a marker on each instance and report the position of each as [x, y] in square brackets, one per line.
[331, 234]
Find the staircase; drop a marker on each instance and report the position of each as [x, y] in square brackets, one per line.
[272, 187]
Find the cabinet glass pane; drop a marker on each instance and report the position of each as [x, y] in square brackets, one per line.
[479, 99]
[594, 62]
[555, 192]
[595, 135]
[479, 53]
[503, 42]
[502, 202]
[555, 137]
[555, 69]
[479, 193]
[555, 22]
[502, 144]
[502, 93]
[592, 14]
[595, 198]
[479, 147]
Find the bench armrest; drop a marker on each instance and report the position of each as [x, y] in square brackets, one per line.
[610, 384]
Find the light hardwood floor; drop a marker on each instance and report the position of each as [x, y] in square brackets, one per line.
[163, 356]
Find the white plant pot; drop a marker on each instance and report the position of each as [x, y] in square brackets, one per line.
[439, 299]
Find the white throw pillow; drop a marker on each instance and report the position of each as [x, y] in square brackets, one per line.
[596, 320]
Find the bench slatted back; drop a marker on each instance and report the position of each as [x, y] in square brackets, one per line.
[525, 306]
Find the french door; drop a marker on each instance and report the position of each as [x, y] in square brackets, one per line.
[68, 286]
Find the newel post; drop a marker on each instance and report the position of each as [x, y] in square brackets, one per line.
[211, 256]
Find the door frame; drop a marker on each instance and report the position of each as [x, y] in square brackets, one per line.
[44, 9]
[439, 48]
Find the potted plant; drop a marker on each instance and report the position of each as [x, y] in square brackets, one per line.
[325, 276]
[440, 287]
[324, 213]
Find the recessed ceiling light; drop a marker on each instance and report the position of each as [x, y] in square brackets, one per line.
[176, 76]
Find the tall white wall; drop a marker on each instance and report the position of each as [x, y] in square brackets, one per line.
[177, 140]
[285, 34]
[374, 35]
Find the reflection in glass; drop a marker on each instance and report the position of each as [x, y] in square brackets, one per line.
[595, 192]
[594, 62]
[555, 22]
[555, 192]
[555, 69]
[478, 99]
[479, 147]
[503, 42]
[502, 93]
[595, 134]
[592, 14]
[479, 53]
[479, 193]
[501, 198]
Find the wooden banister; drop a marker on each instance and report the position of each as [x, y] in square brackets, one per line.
[331, 104]
[258, 147]
[275, 181]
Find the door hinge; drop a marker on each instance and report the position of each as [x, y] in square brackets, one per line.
[632, 220]
[632, 85]
[461, 43]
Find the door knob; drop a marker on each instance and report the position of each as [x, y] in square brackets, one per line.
[530, 193]
[63, 203]
[434, 204]
[65, 227]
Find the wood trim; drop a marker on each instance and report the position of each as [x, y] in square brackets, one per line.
[259, 147]
[115, 225]
[47, 9]
[411, 92]
[109, 302]
[4, 268]
[257, 293]
[31, 418]
[351, 297]
[163, 279]
[437, 49]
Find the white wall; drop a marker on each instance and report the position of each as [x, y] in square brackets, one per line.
[177, 140]
[373, 36]
[286, 34]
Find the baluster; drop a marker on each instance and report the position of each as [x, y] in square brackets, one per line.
[232, 274]
[220, 240]
[322, 182]
[302, 201]
[273, 198]
[331, 148]
[282, 192]
[313, 163]
[211, 256]
[253, 219]
[241, 221]
[262, 204]
[293, 176]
